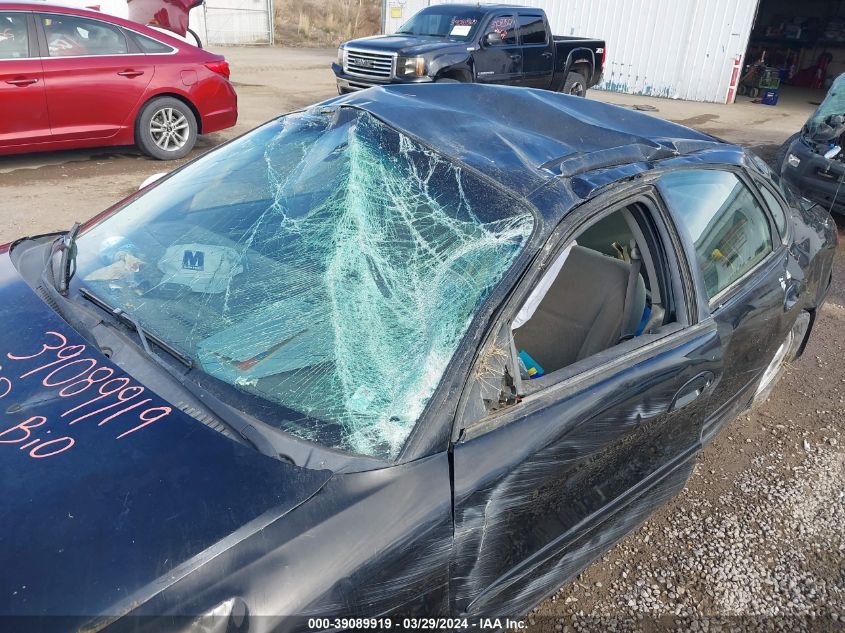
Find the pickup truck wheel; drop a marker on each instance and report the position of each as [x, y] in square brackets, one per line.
[575, 85]
[446, 80]
[166, 129]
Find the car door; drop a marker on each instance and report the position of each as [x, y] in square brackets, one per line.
[548, 482]
[744, 274]
[93, 75]
[537, 50]
[23, 103]
[499, 58]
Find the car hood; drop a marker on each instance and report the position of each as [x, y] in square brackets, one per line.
[405, 44]
[105, 503]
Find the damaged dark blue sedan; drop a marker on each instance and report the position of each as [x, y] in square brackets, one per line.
[415, 352]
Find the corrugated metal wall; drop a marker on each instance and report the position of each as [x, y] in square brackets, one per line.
[681, 49]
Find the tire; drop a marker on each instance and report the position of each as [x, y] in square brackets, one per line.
[196, 38]
[177, 124]
[753, 92]
[446, 80]
[783, 356]
[782, 153]
[575, 85]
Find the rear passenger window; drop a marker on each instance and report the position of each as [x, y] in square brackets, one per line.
[505, 27]
[724, 220]
[71, 36]
[532, 29]
[149, 45]
[14, 41]
[776, 208]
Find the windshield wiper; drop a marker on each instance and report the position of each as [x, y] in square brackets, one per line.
[222, 411]
[131, 321]
[68, 261]
[54, 291]
[66, 245]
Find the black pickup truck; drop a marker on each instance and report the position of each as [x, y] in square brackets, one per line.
[501, 44]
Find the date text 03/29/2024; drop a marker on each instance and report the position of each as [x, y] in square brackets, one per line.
[417, 624]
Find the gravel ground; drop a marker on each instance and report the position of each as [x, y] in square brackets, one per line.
[756, 541]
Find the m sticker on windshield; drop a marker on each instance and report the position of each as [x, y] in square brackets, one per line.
[203, 268]
[193, 260]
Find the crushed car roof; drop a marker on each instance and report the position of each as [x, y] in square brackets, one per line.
[525, 137]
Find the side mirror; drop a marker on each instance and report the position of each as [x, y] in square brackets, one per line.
[492, 39]
[152, 179]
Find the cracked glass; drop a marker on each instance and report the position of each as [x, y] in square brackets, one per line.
[833, 104]
[325, 267]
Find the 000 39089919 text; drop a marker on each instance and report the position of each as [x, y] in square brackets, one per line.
[104, 397]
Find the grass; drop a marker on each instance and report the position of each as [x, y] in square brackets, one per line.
[323, 23]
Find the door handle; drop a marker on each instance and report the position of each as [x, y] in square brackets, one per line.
[22, 81]
[516, 58]
[691, 390]
[547, 55]
[131, 73]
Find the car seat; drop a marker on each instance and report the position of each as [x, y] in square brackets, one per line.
[583, 311]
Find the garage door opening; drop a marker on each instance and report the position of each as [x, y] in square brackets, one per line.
[794, 53]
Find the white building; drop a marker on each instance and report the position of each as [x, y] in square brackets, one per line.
[687, 49]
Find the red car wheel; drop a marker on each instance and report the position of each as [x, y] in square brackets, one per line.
[166, 129]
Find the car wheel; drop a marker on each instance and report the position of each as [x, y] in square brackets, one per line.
[783, 152]
[196, 38]
[446, 80]
[575, 85]
[166, 129]
[783, 356]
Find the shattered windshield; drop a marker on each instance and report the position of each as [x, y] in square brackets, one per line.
[324, 265]
[443, 21]
[833, 104]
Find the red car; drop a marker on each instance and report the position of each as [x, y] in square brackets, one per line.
[72, 78]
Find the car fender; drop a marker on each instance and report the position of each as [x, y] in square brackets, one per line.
[165, 91]
[812, 247]
[579, 55]
[451, 62]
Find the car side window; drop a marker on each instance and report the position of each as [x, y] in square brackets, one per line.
[149, 45]
[532, 29]
[723, 220]
[71, 36]
[606, 286]
[776, 208]
[504, 26]
[14, 39]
